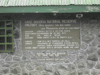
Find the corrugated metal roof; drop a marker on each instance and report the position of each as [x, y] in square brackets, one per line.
[47, 2]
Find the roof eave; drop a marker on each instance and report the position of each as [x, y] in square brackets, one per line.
[50, 9]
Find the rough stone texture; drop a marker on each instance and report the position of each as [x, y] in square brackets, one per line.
[93, 57]
[84, 72]
[84, 46]
[25, 74]
[24, 58]
[24, 71]
[88, 38]
[85, 61]
[81, 65]
[15, 64]
[5, 71]
[29, 67]
[9, 58]
[3, 55]
[16, 59]
[48, 68]
[16, 70]
[71, 67]
[98, 52]
[90, 64]
[91, 50]
[94, 72]
[97, 65]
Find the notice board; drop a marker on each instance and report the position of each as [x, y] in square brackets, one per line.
[50, 34]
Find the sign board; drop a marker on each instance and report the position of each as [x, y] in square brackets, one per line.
[50, 34]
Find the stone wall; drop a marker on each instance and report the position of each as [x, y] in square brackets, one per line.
[85, 61]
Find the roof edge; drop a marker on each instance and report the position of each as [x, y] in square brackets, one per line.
[50, 9]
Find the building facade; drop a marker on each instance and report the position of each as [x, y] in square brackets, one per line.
[49, 37]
